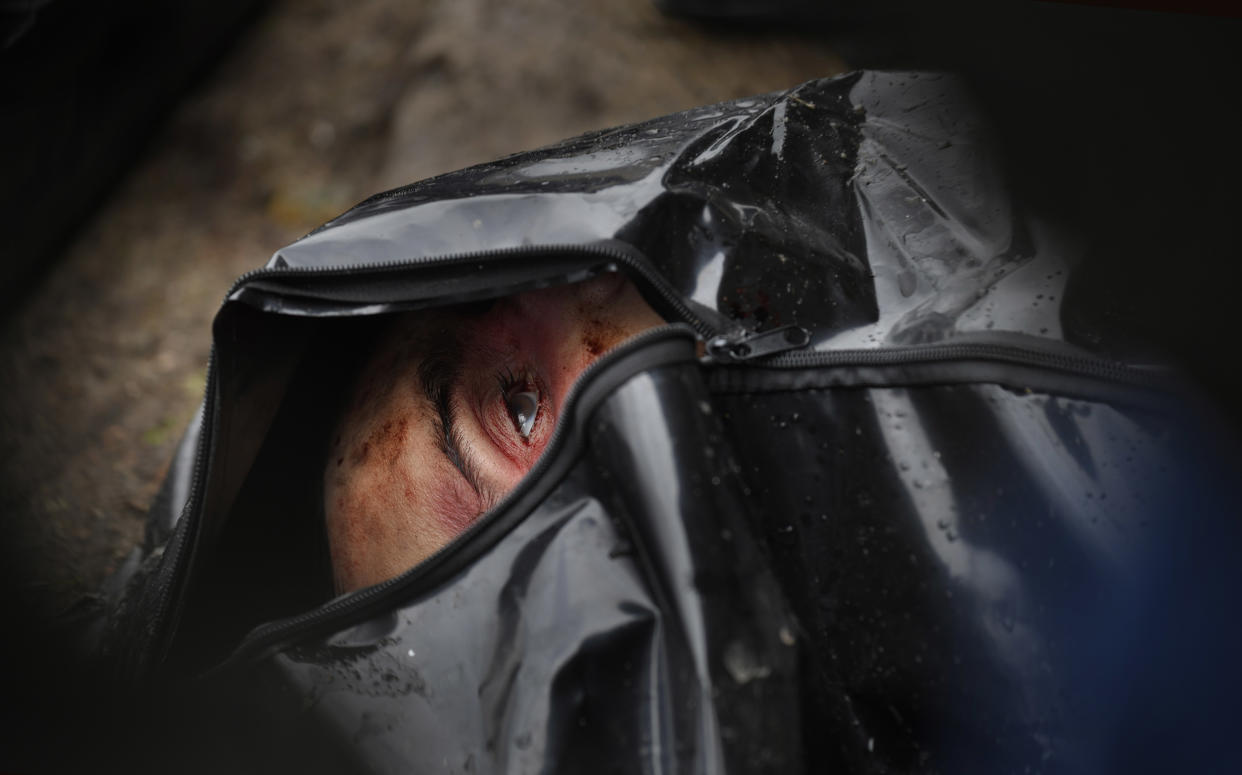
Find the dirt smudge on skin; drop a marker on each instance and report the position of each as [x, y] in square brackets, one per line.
[599, 336]
[592, 345]
[388, 441]
[391, 439]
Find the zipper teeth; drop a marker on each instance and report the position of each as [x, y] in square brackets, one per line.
[271, 633]
[1084, 365]
[622, 254]
[266, 634]
[191, 512]
[618, 252]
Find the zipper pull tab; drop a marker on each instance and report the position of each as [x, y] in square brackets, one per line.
[749, 345]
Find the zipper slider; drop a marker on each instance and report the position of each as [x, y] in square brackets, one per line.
[749, 345]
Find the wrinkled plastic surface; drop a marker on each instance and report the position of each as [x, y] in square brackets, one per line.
[607, 627]
[869, 209]
[744, 569]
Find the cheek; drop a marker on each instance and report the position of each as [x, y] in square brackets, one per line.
[600, 326]
[390, 503]
[589, 332]
[455, 506]
[352, 530]
[598, 335]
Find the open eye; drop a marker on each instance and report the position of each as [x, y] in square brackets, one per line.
[523, 408]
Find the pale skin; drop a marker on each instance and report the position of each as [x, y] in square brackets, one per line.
[451, 411]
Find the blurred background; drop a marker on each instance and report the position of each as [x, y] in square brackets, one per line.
[153, 151]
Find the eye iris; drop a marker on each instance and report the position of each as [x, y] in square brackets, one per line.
[523, 408]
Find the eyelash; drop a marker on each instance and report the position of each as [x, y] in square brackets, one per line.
[508, 381]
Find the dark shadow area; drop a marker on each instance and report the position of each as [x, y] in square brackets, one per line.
[1121, 125]
[84, 87]
[1118, 120]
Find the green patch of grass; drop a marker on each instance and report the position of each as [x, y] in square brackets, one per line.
[195, 384]
[161, 432]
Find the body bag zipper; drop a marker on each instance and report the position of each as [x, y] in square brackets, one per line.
[779, 348]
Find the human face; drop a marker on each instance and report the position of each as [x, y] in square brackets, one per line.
[449, 413]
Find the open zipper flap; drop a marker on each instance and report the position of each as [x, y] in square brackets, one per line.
[337, 291]
[650, 349]
[341, 291]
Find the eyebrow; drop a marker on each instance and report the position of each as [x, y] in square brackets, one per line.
[437, 374]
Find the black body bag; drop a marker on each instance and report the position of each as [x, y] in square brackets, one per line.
[877, 499]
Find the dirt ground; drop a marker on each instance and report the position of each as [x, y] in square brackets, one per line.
[320, 104]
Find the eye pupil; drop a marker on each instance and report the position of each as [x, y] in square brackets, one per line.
[523, 408]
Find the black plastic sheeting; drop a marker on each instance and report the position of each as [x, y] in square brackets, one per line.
[953, 533]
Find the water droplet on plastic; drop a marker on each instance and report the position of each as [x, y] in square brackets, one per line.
[742, 665]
